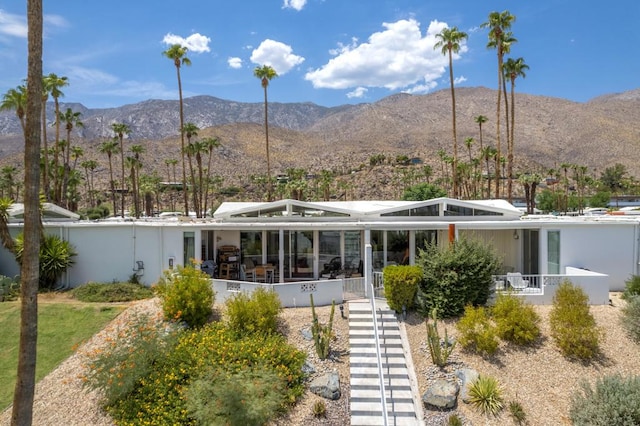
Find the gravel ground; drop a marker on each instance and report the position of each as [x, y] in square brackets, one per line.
[538, 377]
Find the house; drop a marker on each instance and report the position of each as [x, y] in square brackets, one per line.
[298, 240]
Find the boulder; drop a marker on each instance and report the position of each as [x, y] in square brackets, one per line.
[326, 386]
[466, 376]
[441, 394]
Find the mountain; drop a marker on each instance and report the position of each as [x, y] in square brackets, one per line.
[548, 132]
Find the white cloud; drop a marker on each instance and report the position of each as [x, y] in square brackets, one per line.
[357, 93]
[13, 25]
[89, 77]
[459, 80]
[399, 57]
[294, 4]
[197, 43]
[277, 55]
[234, 63]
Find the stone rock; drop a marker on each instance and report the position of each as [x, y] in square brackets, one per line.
[308, 368]
[326, 386]
[466, 376]
[306, 334]
[441, 394]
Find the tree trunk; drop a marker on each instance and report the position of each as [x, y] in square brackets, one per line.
[22, 413]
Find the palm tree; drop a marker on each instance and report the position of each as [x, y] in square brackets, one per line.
[120, 130]
[498, 23]
[449, 41]
[71, 120]
[135, 165]
[489, 153]
[265, 74]
[22, 413]
[16, 100]
[513, 68]
[210, 144]
[111, 147]
[178, 54]
[54, 83]
[481, 119]
[89, 167]
[190, 130]
[172, 162]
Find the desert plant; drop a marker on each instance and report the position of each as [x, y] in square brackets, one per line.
[9, 289]
[401, 285]
[117, 368]
[439, 352]
[631, 318]
[250, 396]
[319, 409]
[518, 414]
[455, 276]
[516, 321]
[485, 395]
[475, 331]
[573, 327]
[612, 401]
[322, 334]
[255, 313]
[56, 256]
[631, 287]
[111, 292]
[454, 420]
[186, 295]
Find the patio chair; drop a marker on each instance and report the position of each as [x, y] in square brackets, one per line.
[516, 281]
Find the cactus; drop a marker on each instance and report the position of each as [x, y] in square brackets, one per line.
[439, 354]
[322, 334]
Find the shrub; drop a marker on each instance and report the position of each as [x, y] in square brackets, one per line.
[186, 295]
[455, 276]
[573, 327]
[9, 289]
[130, 356]
[454, 420]
[401, 286]
[250, 396]
[255, 313]
[475, 331]
[631, 288]
[485, 395]
[516, 321]
[111, 292]
[631, 318]
[56, 256]
[613, 401]
[439, 352]
[518, 414]
[319, 409]
[160, 397]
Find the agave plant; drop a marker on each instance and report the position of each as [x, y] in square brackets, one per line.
[56, 256]
[485, 394]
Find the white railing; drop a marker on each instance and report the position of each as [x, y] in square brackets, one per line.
[383, 400]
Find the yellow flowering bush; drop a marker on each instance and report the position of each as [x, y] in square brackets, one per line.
[187, 295]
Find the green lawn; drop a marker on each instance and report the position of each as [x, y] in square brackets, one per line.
[61, 327]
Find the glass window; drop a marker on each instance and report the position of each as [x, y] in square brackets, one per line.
[352, 251]
[329, 253]
[273, 248]
[397, 247]
[377, 248]
[553, 252]
[423, 238]
[251, 246]
[189, 248]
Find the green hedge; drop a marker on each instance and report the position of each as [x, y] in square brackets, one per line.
[401, 286]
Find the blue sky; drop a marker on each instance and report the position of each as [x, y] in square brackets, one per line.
[329, 52]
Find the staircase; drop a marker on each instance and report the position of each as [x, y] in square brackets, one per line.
[365, 400]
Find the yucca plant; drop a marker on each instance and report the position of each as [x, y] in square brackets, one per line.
[485, 394]
[56, 256]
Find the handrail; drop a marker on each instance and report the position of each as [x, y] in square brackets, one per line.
[383, 392]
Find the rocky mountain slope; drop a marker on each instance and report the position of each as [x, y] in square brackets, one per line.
[548, 132]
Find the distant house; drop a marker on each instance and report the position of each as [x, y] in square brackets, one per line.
[299, 239]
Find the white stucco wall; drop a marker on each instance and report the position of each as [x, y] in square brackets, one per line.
[608, 248]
